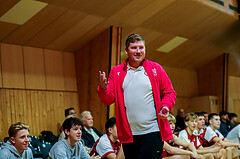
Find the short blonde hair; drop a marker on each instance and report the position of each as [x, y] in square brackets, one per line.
[14, 128]
[191, 116]
[171, 118]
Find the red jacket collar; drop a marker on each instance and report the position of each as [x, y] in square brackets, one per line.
[126, 63]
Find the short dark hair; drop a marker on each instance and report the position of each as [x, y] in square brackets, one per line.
[67, 111]
[199, 114]
[223, 113]
[14, 128]
[110, 123]
[231, 115]
[133, 38]
[210, 117]
[69, 122]
[203, 112]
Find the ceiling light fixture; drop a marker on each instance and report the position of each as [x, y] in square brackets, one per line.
[172, 44]
[22, 11]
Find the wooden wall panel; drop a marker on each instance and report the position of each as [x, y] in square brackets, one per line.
[100, 58]
[234, 95]
[211, 79]
[184, 81]
[82, 71]
[181, 103]
[115, 57]
[34, 68]
[12, 66]
[0, 67]
[41, 110]
[2, 112]
[35, 104]
[96, 57]
[54, 69]
[69, 71]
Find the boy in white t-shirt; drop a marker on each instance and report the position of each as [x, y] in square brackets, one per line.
[214, 124]
[205, 136]
[108, 146]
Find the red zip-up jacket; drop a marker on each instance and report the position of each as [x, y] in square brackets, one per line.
[163, 93]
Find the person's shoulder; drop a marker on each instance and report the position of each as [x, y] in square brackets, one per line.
[58, 148]
[208, 128]
[28, 151]
[183, 132]
[103, 140]
[104, 137]
[237, 126]
[59, 145]
[222, 123]
[4, 153]
[218, 132]
[104, 143]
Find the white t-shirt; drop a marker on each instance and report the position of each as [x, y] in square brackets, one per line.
[209, 135]
[184, 135]
[139, 102]
[219, 134]
[105, 146]
[234, 134]
[206, 136]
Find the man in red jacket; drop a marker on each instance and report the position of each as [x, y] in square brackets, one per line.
[143, 95]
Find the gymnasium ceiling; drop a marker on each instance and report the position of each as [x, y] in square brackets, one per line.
[66, 25]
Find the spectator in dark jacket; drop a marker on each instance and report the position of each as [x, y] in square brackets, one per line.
[180, 122]
[225, 125]
[89, 133]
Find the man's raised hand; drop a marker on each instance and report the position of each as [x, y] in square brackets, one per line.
[103, 80]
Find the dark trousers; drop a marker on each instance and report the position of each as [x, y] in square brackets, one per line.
[148, 146]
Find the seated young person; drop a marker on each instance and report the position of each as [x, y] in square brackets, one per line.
[70, 147]
[170, 147]
[205, 136]
[108, 146]
[190, 135]
[17, 146]
[69, 112]
[216, 137]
